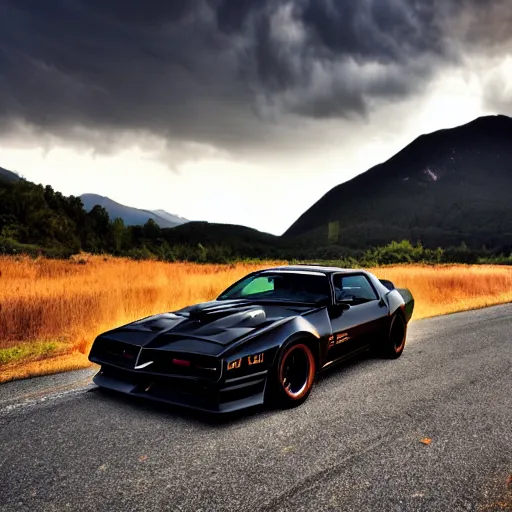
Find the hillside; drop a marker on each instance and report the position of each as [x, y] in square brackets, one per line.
[38, 220]
[211, 234]
[207, 241]
[447, 187]
[6, 175]
[131, 216]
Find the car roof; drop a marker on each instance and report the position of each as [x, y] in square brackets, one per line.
[318, 269]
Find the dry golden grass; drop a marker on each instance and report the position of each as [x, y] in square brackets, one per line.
[60, 306]
[68, 303]
[34, 367]
[443, 289]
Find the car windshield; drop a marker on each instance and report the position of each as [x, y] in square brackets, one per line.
[281, 286]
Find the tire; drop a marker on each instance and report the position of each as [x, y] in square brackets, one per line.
[395, 343]
[293, 376]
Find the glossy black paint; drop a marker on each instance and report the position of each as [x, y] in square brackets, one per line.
[182, 357]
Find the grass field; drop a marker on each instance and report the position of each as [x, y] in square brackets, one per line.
[51, 310]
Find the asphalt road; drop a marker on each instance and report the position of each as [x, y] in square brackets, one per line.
[353, 446]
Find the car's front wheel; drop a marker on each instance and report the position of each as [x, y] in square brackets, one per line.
[293, 375]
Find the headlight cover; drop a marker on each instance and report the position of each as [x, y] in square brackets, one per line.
[246, 364]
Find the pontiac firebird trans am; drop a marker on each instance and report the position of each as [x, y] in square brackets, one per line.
[263, 340]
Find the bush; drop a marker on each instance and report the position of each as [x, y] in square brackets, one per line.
[401, 252]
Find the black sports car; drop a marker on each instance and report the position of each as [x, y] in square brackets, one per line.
[263, 339]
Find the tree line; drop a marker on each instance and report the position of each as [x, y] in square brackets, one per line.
[36, 220]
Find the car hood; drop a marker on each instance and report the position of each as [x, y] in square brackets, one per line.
[215, 323]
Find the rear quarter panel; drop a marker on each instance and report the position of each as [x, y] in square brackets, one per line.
[396, 298]
[408, 302]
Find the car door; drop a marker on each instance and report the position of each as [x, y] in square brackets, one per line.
[356, 327]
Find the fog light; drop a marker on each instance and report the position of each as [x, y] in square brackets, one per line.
[232, 365]
[256, 359]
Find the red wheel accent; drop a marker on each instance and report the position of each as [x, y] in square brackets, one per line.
[399, 335]
[400, 347]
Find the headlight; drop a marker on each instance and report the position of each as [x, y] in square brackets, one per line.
[232, 365]
[255, 359]
[245, 362]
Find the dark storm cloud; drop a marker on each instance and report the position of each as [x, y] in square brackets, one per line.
[225, 72]
[72, 64]
[382, 31]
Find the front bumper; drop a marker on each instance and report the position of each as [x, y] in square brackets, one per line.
[215, 397]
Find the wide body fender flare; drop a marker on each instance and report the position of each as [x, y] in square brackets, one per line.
[274, 338]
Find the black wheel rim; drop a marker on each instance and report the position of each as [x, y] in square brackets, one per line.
[295, 372]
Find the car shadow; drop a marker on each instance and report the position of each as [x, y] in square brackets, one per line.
[355, 362]
[145, 406]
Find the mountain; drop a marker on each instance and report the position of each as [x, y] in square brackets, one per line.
[445, 188]
[6, 175]
[37, 220]
[131, 216]
[169, 217]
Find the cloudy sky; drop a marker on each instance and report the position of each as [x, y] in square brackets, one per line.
[238, 111]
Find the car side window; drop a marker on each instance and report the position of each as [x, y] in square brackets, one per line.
[353, 288]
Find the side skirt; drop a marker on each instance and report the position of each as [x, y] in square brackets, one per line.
[346, 357]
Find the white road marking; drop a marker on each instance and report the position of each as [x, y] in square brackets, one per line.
[30, 402]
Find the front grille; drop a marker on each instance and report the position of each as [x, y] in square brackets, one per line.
[115, 352]
[189, 392]
[179, 363]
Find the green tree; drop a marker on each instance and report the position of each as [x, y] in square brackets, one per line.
[118, 234]
[151, 230]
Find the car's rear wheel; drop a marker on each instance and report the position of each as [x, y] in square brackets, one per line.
[293, 375]
[395, 344]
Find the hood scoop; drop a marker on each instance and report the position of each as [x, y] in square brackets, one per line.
[237, 321]
[217, 312]
[159, 323]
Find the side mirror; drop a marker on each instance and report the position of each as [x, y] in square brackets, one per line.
[336, 310]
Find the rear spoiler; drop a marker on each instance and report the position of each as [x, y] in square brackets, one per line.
[406, 295]
[388, 284]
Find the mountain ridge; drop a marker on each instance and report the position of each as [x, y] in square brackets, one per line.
[436, 190]
[130, 215]
[7, 175]
[445, 188]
